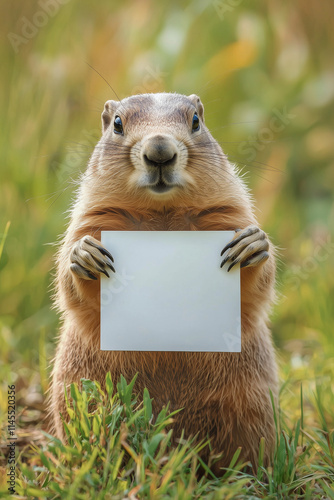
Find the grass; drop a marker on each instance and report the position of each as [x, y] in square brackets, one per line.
[116, 449]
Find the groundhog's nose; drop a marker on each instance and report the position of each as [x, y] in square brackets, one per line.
[159, 151]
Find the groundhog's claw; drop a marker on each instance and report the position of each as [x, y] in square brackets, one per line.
[81, 272]
[249, 247]
[89, 257]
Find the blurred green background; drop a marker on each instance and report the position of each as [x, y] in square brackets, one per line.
[265, 73]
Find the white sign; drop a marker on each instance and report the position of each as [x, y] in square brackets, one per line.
[169, 293]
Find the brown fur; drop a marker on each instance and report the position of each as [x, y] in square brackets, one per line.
[225, 395]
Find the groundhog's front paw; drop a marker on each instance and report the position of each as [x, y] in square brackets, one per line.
[90, 258]
[249, 247]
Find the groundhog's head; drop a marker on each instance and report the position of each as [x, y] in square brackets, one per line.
[155, 151]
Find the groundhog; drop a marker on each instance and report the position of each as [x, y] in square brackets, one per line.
[157, 167]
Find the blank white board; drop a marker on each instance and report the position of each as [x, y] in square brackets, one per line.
[169, 293]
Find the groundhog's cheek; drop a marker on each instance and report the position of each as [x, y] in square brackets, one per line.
[188, 179]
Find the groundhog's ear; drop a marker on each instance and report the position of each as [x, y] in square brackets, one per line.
[107, 114]
[198, 105]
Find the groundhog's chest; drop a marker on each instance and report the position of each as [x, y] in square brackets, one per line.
[217, 218]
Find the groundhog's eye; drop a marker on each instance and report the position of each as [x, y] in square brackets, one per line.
[118, 125]
[195, 124]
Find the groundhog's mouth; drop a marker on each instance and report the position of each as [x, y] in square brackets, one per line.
[161, 187]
